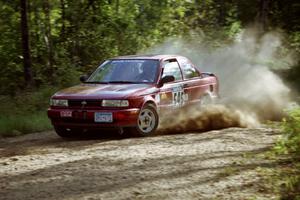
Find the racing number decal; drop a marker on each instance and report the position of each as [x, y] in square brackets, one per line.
[178, 96]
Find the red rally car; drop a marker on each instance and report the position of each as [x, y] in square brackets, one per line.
[130, 93]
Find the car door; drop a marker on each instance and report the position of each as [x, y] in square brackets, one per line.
[172, 94]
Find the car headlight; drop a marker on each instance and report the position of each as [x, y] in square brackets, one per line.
[59, 102]
[115, 103]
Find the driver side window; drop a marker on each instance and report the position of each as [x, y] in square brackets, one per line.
[171, 67]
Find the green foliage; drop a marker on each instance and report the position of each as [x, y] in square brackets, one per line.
[72, 37]
[18, 124]
[68, 38]
[295, 41]
[10, 54]
[286, 177]
[26, 112]
[291, 127]
[283, 179]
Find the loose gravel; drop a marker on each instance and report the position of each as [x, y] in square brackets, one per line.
[218, 164]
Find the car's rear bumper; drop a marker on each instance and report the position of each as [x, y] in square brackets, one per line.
[86, 118]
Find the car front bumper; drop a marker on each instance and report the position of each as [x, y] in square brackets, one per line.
[86, 118]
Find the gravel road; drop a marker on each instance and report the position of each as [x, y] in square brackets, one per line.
[211, 165]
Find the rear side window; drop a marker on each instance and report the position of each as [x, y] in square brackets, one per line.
[171, 67]
[188, 69]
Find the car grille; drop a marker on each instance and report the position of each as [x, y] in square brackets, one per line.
[84, 103]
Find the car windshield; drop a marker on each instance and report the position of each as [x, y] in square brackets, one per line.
[126, 71]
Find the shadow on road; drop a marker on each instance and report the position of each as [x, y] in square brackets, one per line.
[21, 144]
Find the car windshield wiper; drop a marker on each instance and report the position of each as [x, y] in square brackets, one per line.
[122, 82]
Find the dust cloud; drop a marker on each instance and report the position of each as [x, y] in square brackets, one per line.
[211, 117]
[250, 92]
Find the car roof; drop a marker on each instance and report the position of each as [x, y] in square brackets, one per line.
[147, 56]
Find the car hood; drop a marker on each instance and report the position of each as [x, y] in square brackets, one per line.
[106, 91]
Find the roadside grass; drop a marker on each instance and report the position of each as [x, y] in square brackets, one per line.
[25, 112]
[284, 177]
[18, 124]
[281, 177]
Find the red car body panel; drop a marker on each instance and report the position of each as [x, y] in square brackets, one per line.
[171, 95]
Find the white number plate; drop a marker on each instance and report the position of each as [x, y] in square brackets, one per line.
[66, 113]
[103, 117]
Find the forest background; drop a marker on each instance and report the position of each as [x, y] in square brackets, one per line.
[46, 45]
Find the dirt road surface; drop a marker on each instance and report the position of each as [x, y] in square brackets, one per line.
[212, 165]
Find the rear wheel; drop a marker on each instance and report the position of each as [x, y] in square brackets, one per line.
[66, 132]
[147, 121]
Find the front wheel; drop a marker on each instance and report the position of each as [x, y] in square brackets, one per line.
[65, 132]
[147, 121]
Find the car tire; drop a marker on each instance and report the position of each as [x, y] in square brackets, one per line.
[147, 122]
[65, 133]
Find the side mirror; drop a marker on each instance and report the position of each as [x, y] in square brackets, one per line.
[206, 74]
[83, 78]
[166, 79]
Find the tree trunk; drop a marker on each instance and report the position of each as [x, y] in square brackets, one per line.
[262, 15]
[200, 8]
[221, 15]
[117, 6]
[94, 9]
[63, 18]
[25, 45]
[48, 37]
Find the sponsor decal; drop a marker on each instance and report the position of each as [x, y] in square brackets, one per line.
[163, 96]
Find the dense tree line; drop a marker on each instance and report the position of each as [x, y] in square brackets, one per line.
[51, 42]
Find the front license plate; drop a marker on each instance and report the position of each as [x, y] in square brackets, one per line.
[103, 117]
[66, 113]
